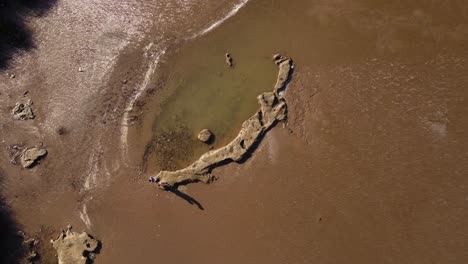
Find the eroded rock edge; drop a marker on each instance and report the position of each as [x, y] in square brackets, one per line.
[273, 108]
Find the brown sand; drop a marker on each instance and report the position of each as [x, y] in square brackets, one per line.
[374, 170]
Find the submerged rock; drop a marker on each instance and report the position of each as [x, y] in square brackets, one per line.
[75, 248]
[273, 108]
[30, 155]
[23, 111]
[205, 136]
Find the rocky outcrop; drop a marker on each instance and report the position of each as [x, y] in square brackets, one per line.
[205, 136]
[273, 108]
[30, 250]
[23, 111]
[75, 248]
[30, 156]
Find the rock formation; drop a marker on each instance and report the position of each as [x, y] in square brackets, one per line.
[228, 59]
[75, 248]
[29, 156]
[205, 136]
[23, 111]
[273, 108]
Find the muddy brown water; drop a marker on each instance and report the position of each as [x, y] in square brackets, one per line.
[374, 170]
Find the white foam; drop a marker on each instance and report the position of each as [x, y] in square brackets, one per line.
[149, 73]
[220, 21]
[85, 217]
[95, 169]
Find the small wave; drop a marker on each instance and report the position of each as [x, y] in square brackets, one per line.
[220, 21]
[85, 217]
[149, 73]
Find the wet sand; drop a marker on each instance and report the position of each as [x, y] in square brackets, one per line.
[374, 170]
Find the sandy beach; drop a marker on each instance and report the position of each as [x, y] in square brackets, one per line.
[370, 166]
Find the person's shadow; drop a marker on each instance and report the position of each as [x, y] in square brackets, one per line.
[186, 197]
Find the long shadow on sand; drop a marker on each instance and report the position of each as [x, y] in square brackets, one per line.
[15, 36]
[186, 197]
[11, 241]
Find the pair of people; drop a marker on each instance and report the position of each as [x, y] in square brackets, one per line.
[163, 185]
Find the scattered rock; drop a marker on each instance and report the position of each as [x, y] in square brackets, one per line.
[23, 111]
[32, 255]
[75, 248]
[205, 136]
[10, 75]
[30, 156]
[14, 152]
[273, 108]
[29, 247]
[228, 59]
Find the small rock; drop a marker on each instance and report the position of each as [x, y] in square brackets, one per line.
[23, 111]
[30, 242]
[228, 59]
[124, 81]
[205, 135]
[14, 152]
[12, 76]
[32, 255]
[31, 155]
[80, 69]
